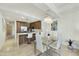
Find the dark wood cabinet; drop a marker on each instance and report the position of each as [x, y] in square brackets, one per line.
[19, 24]
[18, 27]
[35, 25]
[22, 39]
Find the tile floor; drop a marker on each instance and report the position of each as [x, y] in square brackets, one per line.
[10, 49]
[65, 51]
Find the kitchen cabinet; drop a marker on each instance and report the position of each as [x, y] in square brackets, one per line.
[24, 40]
[18, 27]
[35, 25]
[21, 23]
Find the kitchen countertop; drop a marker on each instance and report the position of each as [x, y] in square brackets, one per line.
[18, 34]
[25, 33]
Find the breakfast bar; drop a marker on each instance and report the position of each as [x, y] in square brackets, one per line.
[25, 38]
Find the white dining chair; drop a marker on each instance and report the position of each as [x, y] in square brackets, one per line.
[29, 37]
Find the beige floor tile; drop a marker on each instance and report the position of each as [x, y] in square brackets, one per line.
[10, 49]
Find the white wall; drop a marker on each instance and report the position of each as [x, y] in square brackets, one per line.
[45, 26]
[2, 31]
[67, 26]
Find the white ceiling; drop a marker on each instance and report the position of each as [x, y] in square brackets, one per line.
[36, 11]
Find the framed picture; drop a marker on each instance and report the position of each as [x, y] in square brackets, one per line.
[54, 26]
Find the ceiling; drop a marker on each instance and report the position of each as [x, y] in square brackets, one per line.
[36, 11]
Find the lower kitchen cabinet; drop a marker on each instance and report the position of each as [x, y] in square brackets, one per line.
[24, 40]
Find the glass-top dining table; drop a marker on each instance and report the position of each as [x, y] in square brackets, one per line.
[51, 49]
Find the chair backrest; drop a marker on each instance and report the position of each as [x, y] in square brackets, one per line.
[29, 35]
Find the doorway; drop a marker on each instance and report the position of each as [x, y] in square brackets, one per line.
[10, 30]
[9, 43]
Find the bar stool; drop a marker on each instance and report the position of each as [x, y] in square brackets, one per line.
[29, 37]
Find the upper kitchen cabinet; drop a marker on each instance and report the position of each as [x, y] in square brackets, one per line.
[35, 25]
[21, 24]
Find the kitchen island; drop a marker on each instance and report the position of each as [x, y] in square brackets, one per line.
[22, 38]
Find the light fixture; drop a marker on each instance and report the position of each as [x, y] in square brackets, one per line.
[48, 19]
